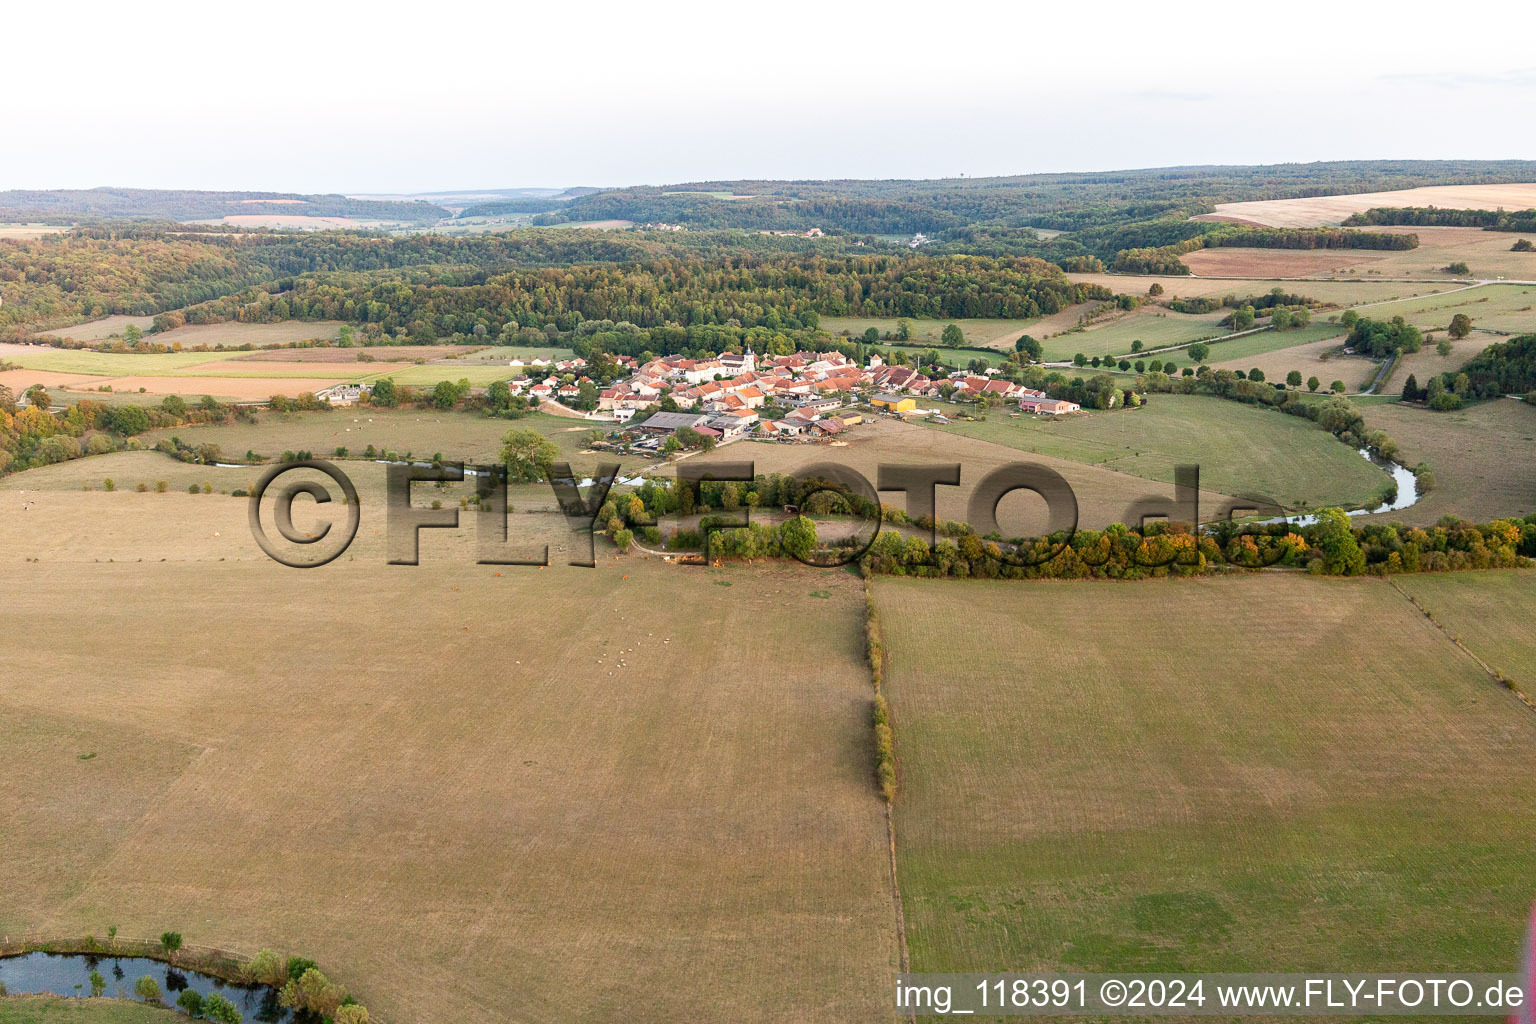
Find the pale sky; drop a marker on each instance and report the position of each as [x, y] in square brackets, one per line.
[389, 97]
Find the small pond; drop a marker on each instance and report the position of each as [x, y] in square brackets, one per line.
[69, 974]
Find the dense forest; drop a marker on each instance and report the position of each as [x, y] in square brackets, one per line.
[741, 291]
[1434, 216]
[1505, 368]
[149, 268]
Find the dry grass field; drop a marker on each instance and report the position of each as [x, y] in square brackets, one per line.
[465, 437]
[1490, 612]
[1428, 361]
[1152, 326]
[229, 335]
[30, 231]
[276, 368]
[102, 364]
[1487, 254]
[229, 389]
[1275, 772]
[1103, 495]
[1236, 262]
[1355, 371]
[1323, 210]
[235, 334]
[474, 793]
[386, 354]
[1483, 457]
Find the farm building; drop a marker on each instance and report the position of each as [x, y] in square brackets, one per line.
[671, 422]
[894, 403]
[1047, 406]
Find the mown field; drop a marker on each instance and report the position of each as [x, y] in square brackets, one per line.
[1240, 449]
[608, 805]
[1278, 773]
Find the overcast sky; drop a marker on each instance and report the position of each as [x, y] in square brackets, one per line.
[393, 97]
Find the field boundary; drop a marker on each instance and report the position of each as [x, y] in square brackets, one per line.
[874, 647]
[1495, 674]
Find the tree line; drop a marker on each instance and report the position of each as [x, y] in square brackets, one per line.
[1434, 216]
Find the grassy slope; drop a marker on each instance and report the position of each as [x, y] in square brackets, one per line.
[467, 437]
[1240, 449]
[56, 1010]
[1291, 796]
[1483, 456]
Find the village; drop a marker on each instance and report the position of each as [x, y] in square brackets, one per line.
[731, 396]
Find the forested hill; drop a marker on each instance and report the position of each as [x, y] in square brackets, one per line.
[1063, 202]
[148, 268]
[97, 204]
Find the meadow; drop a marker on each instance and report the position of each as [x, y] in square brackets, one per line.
[462, 436]
[1321, 359]
[1240, 449]
[1483, 456]
[57, 1010]
[1103, 494]
[1153, 328]
[1282, 771]
[1501, 307]
[473, 793]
